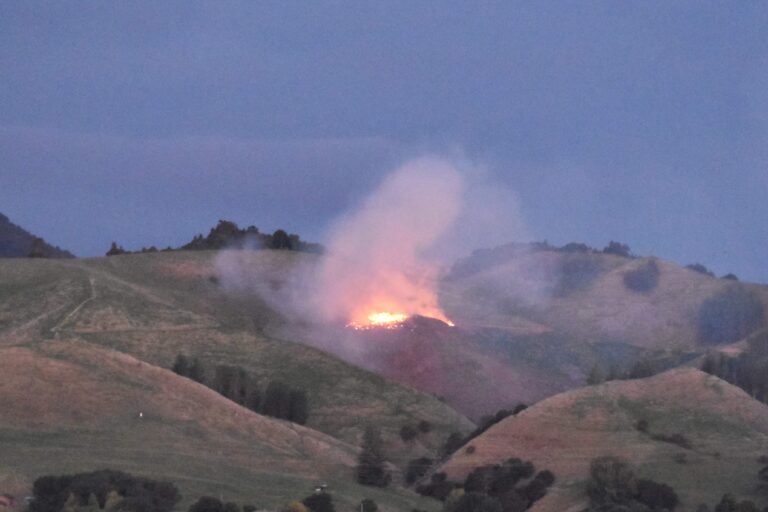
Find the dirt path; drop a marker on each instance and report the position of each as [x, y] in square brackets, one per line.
[58, 327]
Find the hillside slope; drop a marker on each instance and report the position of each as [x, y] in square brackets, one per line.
[69, 406]
[726, 428]
[16, 242]
[156, 306]
[524, 289]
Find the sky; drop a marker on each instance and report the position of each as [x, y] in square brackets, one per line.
[147, 122]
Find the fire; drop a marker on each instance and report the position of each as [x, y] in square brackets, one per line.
[390, 320]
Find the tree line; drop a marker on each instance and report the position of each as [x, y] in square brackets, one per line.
[227, 235]
[278, 399]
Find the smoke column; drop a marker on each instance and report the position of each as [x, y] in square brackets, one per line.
[377, 254]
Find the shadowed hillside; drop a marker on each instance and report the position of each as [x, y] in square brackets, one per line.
[15, 242]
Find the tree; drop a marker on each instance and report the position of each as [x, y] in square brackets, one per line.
[416, 469]
[617, 249]
[38, 249]
[181, 366]
[115, 250]
[196, 371]
[371, 468]
[281, 240]
[730, 315]
[319, 502]
[611, 481]
[298, 409]
[276, 400]
[655, 495]
[475, 502]
[644, 278]
[424, 427]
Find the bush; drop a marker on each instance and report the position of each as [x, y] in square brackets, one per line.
[368, 505]
[424, 427]
[730, 315]
[476, 502]
[644, 278]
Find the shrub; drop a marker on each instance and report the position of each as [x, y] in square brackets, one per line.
[644, 278]
[424, 427]
[730, 277]
[438, 487]
[678, 439]
[729, 315]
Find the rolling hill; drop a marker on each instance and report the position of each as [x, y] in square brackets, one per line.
[726, 431]
[102, 323]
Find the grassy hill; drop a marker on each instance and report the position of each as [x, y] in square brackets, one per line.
[93, 322]
[70, 406]
[528, 290]
[726, 428]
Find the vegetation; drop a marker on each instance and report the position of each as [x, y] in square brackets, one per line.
[512, 486]
[319, 502]
[456, 440]
[16, 242]
[730, 315]
[644, 278]
[279, 401]
[613, 487]
[371, 465]
[748, 370]
[123, 491]
[701, 269]
[417, 468]
[617, 249]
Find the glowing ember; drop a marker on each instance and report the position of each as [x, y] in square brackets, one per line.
[385, 320]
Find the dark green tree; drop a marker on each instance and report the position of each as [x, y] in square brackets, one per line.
[371, 468]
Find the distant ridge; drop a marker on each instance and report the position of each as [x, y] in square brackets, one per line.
[16, 242]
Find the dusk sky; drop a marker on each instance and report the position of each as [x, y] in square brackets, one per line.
[147, 122]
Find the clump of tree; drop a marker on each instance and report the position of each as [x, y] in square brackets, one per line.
[644, 278]
[235, 383]
[613, 487]
[513, 486]
[106, 489]
[410, 432]
[320, 501]
[371, 464]
[617, 249]
[701, 269]
[748, 370]
[730, 315]
[729, 503]
[577, 247]
[227, 235]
